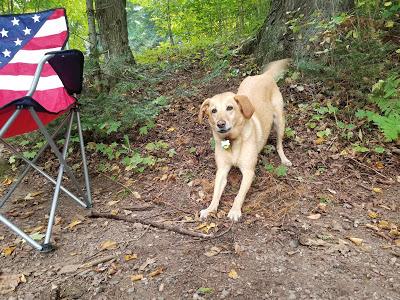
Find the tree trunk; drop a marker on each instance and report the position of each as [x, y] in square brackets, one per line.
[275, 40]
[93, 50]
[113, 29]
[169, 20]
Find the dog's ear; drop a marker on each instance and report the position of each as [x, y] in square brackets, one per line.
[203, 109]
[245, 105]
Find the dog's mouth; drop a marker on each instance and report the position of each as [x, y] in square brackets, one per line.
[224, 130]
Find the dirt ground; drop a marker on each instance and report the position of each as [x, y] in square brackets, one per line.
[326, 230]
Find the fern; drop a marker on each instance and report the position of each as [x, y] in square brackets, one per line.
[386, 96]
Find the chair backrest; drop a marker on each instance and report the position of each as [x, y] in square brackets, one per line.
[24, 40]
[69, 66]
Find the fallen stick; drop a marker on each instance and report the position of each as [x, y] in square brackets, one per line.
[97, 261]
[151, 223]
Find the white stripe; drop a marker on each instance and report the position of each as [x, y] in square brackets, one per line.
[31, 56]
[51, 27]
[23, 83]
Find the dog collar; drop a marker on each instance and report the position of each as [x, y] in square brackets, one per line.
[226, 144]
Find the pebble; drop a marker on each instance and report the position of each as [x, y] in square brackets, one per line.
[161, 287]
[224, 294]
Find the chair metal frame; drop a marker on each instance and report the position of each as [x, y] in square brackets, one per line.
[83, 198]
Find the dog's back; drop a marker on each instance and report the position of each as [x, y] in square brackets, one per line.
[264, 94]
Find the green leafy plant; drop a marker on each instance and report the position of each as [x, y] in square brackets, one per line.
[386, 96]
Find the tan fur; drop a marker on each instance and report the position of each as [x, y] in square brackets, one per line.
[249, 115]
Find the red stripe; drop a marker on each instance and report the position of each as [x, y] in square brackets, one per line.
[24, 122]
[53, 100]
[26, 69]
[46, 42]
[57, 13]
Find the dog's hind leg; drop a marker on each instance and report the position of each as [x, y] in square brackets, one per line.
[220, 183]
[279, 123]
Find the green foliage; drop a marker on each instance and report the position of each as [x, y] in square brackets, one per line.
[386, 96]
[280, 171]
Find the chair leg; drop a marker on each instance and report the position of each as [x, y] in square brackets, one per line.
[58, 184]
[44, 174]
[84, 162]
[9, 122]
[53, 146]
[22, 234]
[28, 167]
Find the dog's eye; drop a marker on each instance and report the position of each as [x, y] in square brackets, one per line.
[214, 110]
[229, 107]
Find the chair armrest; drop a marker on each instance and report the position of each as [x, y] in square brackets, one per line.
[38, 71]
[68, 64]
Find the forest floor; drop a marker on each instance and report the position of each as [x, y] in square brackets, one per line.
[328, 229]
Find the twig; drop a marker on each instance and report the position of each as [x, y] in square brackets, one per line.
[151, 223]
[368, 167]
[139, 208]
[119, 183]
[97, 261]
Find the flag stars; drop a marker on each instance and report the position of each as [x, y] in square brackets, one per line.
[36, 18]
[4, 33]
[15, 21]
[6, 53]
[27, 31]
[18, 42]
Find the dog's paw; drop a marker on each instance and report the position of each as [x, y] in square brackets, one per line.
[287, 162]
[234, 214]
[204, 213]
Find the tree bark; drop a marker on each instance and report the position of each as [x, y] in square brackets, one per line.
[113, 29]
[93, 46]
[275, 40]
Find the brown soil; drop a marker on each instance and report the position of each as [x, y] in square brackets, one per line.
[293, 241]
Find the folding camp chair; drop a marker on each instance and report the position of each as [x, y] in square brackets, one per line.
[38, 84]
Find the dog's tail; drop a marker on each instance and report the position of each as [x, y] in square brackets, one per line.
[277, 68]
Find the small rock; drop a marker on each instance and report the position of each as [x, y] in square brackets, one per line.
[294, 243]
[347, 205]
[161, 287]
[224, 294]
[131, 290]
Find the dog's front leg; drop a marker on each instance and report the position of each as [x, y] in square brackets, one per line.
[220, 183]
[236, 211]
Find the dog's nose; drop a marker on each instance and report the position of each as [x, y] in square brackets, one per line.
[221, 124]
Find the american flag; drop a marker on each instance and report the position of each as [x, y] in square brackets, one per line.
[24, 40]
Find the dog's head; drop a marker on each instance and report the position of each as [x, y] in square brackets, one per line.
[226, 113]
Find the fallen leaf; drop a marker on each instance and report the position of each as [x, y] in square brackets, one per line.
[136, 195]
[356, 241]
[394, 233]
[314, 216]
[7, 251]
[379, 165]
[372, 214]
[204, 290]
[384, 224]
[377, 190]
[7, 181]
[68, 269]
[23, 278]
[148, 262]
[114, 212]
[8, 283]
[319, 141]
[238, 249]
[129, 257]
[113, 202]
[213, 251]
[156, 272]
[136, 277]
[171, 129]
[32, 195]
[37, 236]
[74, 223]
[397, 243]
[233, 274]
[108, 245]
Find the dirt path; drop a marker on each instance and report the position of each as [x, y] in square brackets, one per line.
[326, 230]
